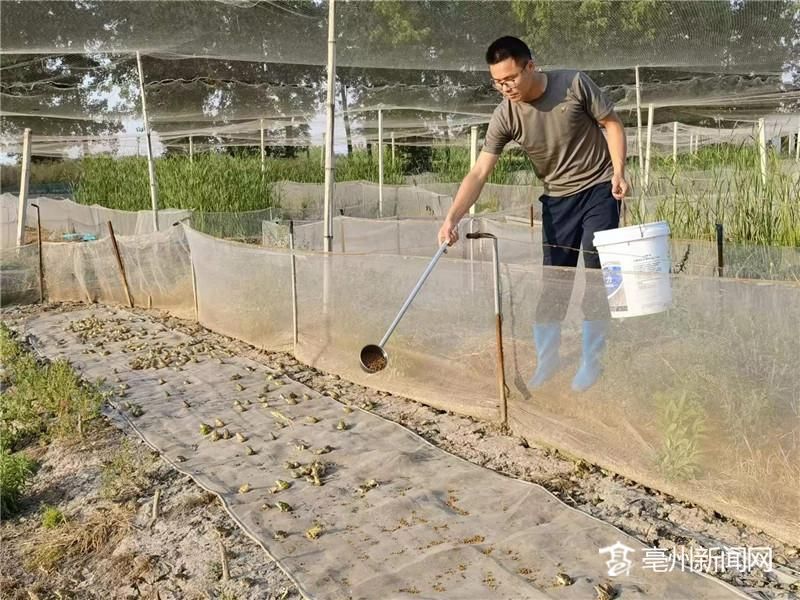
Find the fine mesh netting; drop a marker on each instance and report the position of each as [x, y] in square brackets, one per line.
[239, 69]
[700, 401]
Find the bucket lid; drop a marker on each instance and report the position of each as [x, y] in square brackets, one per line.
[631, 234]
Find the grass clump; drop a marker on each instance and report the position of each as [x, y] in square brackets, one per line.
[15, 473]
[52, 517]
[45, 401]
[124, 476]
[79, 540]
[682, 422]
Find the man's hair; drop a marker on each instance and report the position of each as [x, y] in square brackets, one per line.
[508, 47]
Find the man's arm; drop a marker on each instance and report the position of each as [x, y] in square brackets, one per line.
[467, 195]
[615, 137]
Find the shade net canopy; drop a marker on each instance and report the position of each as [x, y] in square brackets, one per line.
[223, 71]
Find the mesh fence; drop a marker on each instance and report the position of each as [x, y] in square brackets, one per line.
[698, 369]
[701, 401]
[19, 275]
[60, 216]
[157, 268]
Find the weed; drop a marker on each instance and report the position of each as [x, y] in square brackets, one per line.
[124, 476]
[682, 422]
[46, 400]
[15, 472]
[52, 517]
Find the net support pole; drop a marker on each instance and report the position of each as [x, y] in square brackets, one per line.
[639, 124]
[24, 181]
[191, 150]
[675, 142]
[394, 156]
[380, 163]
[294, 285]
[650, 110]
[263, 149]
[762, 150]
[329, 157]
[151, 168]
[473, 155]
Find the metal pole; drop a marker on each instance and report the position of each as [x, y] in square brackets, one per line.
[194, 292]
[329, 157]
[473, 155]
[39, 244]
[294, 284]
[501, 375]
[720, 254]
[675, 142]
[263, 149]
[639, 124]
[151, 168]
[191, 150]
[471, 255]
[650, 109]
[24, 181]
[473, 145]
[393, 149]
[797, 145]
[119, 263]
[762, 150]
[380, 163]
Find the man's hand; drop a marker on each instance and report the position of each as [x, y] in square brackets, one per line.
[448, 233]
[619, 187]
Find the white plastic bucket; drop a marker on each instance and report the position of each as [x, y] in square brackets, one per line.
[636, 268]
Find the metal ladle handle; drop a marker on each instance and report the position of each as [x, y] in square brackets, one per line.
[442, 249]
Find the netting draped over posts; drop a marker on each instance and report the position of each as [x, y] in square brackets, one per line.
[59, 217]
[702, 401]
[157, 268]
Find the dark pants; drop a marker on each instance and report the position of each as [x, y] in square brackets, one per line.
[569, 224]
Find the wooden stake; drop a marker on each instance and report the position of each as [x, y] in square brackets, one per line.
[223, 558]
[154, 513]
[39, 244]
[119, 263]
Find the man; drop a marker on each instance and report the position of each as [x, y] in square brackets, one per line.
[556, 117]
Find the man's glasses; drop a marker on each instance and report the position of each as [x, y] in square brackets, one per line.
[508, 82]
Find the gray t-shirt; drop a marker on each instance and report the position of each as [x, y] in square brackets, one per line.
[559, 131]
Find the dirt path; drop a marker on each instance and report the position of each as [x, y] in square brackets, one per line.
[106, 486]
